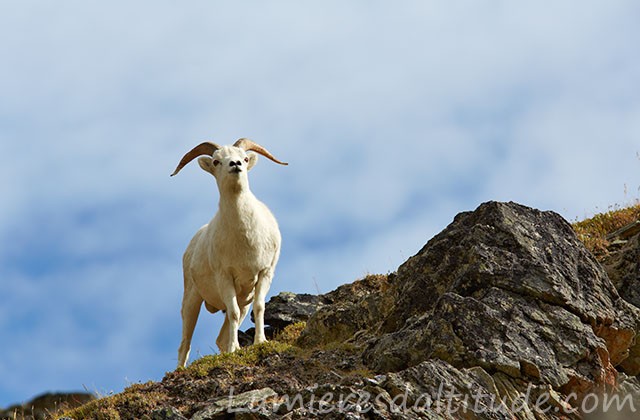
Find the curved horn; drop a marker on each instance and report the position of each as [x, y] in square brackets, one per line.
[206, 148]
[247, 145]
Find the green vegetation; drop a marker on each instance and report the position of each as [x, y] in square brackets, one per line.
[593, 231]
[246, 356]
[291, 333]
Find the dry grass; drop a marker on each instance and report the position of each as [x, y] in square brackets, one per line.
[291, 333]
[134, 403]
[593, 231]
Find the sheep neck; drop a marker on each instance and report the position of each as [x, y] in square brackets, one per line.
[235, 202]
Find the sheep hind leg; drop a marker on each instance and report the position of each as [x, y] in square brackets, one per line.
[191, 303]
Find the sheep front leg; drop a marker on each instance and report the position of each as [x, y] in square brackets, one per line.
[223, 338]
[262, 287]
[228, 341]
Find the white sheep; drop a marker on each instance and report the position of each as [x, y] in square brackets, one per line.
[230, 261]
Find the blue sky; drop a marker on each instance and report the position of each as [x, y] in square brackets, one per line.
[393, 119]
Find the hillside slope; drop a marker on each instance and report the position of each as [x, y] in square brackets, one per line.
[504, 314]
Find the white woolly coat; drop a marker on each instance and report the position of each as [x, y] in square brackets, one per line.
[240, 242]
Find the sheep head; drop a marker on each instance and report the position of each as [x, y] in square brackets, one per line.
[226, 159]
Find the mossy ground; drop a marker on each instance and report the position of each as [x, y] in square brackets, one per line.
[247, 356]
[594, 230]
[133, 403]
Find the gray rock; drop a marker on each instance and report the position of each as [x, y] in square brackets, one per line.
[509, 246]
[502, 332]
[623, 267]
[288, 308]
[245, 402]
[245, 338]
[435, 389]
[282, 310]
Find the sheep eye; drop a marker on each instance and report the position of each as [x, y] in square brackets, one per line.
[216, 162]
[246, 159]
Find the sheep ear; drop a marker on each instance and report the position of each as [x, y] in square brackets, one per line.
[206, 163]
[253, 159]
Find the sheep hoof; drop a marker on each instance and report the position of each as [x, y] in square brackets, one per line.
[233, 347]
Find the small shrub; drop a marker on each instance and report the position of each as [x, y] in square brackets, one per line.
[593, 231]
[291, 333]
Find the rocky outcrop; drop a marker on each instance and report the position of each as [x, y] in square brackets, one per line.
[512, 290]
[505, 288]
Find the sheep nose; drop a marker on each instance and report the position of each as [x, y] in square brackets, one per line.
[236, 163]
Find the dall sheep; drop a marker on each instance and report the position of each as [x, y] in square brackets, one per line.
[230, 261]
